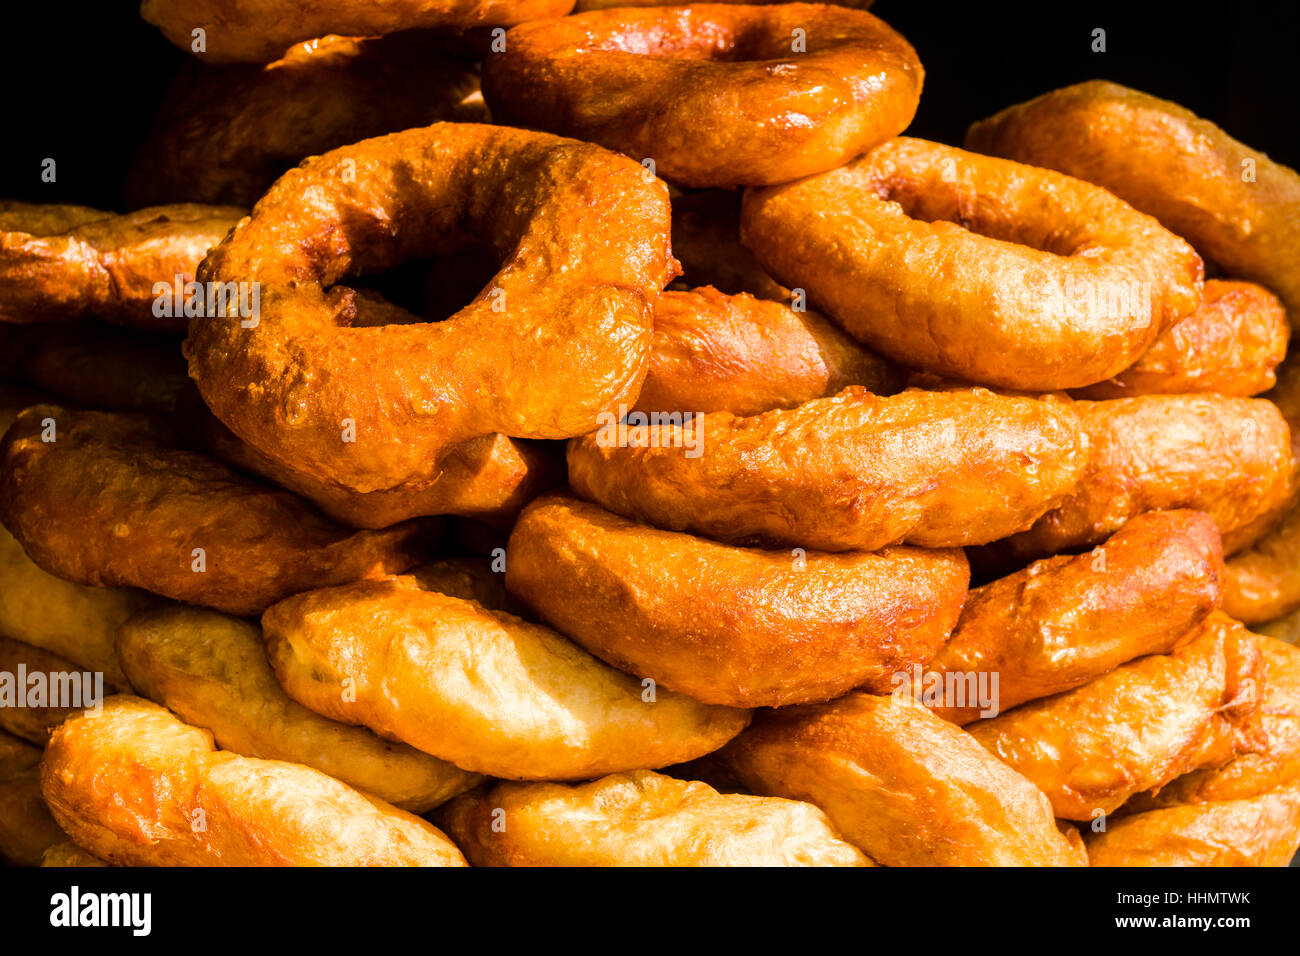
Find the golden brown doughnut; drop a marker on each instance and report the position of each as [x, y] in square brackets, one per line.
[260, 31]
[1063, 621]
[734, 626]
[562, 335]
[67, 619]
[71, 262]
[211, 671]
[26, 828]
[1275, 765]
[976, 268]
[1238, 207]
[904, 786]
[1230, 345]
[224, 134]
[1228, 457]
[714, 94]
[640, 819]
[1257, 831]
[55, 689]
[491, 477]
[735, 353]
[1139, 726]
[851, 472]
[706, 240]
[112, 502]
[488, 691]
[97, 365]
[137, 787]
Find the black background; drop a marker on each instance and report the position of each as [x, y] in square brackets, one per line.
[84, 80]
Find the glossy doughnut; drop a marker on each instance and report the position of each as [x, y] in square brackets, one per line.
[112, 502]
[321, 384]
[715, 95]
[1239, 208]
[734, 626]
[130, 784]
[481, 688]
[850, 472]
[69, 262]
[981, 269]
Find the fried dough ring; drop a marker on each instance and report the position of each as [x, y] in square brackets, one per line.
[27, 830]
[111, 502]
[1277, 764]
[1169, 163]
[1228, 457]
[1257, 831]
[904, 786]
[1063, 621]
[59, 262]
[563, 336]
[488, 691]
[96, 365]
[35, 722]
[490, 478]
[211, 671]
[976, 268]
[738, 354]
[259, 32]
[67, 619]
[1230, 346]
[706, 240]
[1138, 727]
[714, 94]
[851, 472]
[137, 787]
[732, 626]
[225, 134]
[641, 819]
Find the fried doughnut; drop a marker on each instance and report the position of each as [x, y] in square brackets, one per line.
[1257, 831]
[67, 619]
[111, 502]
[31, 709]
[716, 95]
[706, 240]
[211, 671]
[904, 786]
[261, 31]
[851, 472]
[1063, 621]
[640, 819]
[738, 354]
[1228, 457]
[491, 477]
[137, 787]
[1238, 207]
[67, 854]
[733, 626]
[224, 134]
[1230, 345]
[976, 268]
[26, 828]
[71, 262]
[1250, 774]
[1138, 727]
[488, 691]
[563, 335]
[97, 365]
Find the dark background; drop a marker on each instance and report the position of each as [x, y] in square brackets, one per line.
[84, 84]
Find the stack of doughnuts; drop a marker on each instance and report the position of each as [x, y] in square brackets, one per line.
[512, 435]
